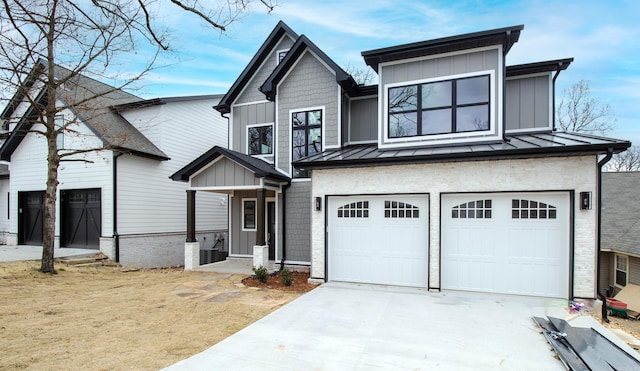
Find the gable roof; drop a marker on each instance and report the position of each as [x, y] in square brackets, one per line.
[506, 37]
[303, 43]
[621, 212]
[97, 114]
[517, 146]
[278, 32]
[260, 168]
[163, 100]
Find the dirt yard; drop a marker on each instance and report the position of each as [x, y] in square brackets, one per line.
[102, 318]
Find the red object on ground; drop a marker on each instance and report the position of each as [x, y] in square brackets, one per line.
[613, 303]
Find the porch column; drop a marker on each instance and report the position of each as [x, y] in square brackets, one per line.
[260, 207]
[191, 216]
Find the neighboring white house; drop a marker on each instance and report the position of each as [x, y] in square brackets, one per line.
[118, 199]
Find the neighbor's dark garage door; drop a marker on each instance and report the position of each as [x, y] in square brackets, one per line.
[80, 218]
[30, 217]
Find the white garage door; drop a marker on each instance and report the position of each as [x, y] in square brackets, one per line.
[378, 239]
[506, 243]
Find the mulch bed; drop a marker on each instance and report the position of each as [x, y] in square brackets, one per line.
[300, 282]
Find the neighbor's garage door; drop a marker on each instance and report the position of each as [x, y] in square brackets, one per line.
[378, 239]
[506, 243]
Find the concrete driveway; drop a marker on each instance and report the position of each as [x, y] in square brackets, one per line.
[27, 252]
[364, 327]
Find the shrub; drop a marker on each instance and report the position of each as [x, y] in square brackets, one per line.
[286, 276]
[261, 274]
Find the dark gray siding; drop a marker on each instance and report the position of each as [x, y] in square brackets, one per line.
[251, 92]
[298, 215]
[363, 124]
[259, 113]
[224, 173]
[528, 103]
[309, 84]
[606, 270]
[634, 270]
[242, 242]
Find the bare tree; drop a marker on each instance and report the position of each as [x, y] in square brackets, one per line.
[579, 111]
[628, 160]
[46, 46]
[363, 76]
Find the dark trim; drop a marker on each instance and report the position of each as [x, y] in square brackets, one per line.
[269, 87]
[260, 168]
[116, 235]
[599, 294]
[191, 216]
[18, 97]
[502, 36]
[555, 65]
[326, 238]
[22, 128]
[572, 245]
[280, 30]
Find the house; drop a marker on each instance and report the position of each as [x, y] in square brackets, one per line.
[117, 199]
[620, 238]
[449, 174]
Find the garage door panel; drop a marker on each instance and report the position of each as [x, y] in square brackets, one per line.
[386, 245]
[521, 246]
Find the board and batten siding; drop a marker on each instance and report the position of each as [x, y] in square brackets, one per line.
[298, 219]
[242, 242]
[634, 270]
[224, 173]
[251, 92]
[320, 90]
[5, 222]
[148, 200]
[363, 120]
[29, 171]
[528, 103]
[247, 115]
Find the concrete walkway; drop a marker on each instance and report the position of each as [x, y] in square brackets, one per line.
[25, 252]
[364, 327]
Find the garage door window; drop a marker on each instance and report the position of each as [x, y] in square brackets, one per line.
[527, 209]
[358, 209]
[479, 209]
[396, 209]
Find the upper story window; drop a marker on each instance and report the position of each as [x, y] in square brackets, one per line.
[281, 54]
[260, 140]
[622, 267]
[306, 137]
[440, 107]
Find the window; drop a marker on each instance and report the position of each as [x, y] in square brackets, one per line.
[395, 209]
[248, 215]
[358, 209]
[281, 54]
[527, 209]
[260, 140]
[441, 107]
[622, 267]
[59, 124]
[480, 209]
[306, 137]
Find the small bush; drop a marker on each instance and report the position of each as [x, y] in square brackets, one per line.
[286, 276]
[261, 274]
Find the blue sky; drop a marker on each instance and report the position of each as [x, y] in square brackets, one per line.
[602, 36]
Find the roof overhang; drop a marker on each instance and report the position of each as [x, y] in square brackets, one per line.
[506, 37]
[555, 65]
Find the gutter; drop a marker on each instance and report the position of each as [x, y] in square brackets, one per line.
[553, 98]
[284, 225]
[601, 296]
[504, 90]
[116, 236]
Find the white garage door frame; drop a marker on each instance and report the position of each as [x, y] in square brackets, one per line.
[376, 257]
[564, 258]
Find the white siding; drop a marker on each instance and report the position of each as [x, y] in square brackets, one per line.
[4, 205]
[29, 171]
[148, 200]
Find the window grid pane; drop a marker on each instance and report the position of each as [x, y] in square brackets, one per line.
[480, 209]
[526, 209]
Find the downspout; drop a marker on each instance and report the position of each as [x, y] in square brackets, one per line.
[116, 236]
[553, 97]
[504, 90]
[601, 163]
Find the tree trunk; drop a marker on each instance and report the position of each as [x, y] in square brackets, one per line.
[49, 233]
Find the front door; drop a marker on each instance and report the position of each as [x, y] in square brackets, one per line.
[30, 217]
[80, 219]
[271, 229]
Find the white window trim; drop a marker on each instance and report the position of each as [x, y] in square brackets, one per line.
[494, 124]
[615, 270]
[322, 131]
[255, 220]
[278, 54]
[261, 156]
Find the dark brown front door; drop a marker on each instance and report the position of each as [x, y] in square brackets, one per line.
[30, 217]
[80, 218]
[271, 229]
